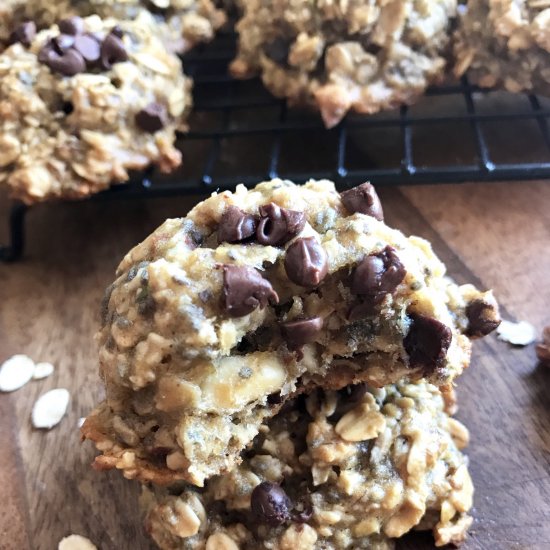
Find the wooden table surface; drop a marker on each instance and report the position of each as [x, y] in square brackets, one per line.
[496, 235]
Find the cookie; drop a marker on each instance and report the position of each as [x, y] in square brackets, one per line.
[180, 23]
[341, 56]
[218, 318]
[505, 43]
[338, 470]
[8, 9]
[83, 103]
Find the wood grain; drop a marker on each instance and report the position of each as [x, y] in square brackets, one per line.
[492, 234]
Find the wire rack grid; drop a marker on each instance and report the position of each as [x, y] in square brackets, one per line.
[239, 133]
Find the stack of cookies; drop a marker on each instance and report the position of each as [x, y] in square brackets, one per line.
[279, 369]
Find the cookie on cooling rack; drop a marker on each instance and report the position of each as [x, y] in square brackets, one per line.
[181, 24]
[341, 56]
[505, 43]
[86, 101]
[8, 11]
[340, 470]
[218, 318]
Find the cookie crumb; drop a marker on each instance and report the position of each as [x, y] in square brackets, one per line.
[76, 542]
[50, 408]
[518, 334]
[42, 370]
[16, 372]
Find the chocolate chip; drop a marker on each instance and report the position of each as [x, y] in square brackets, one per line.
[306, 262]
[278, 225]
[363, 199]
[275, 398]
[112, 51]
[152, 118]
[278, 49]
[63, 42]
[117, 31]
[427, 342]
[236, 226]
[378, 274]
[88, 47]
[244, 289]
[68, 64]
[270, 504]
[482, 318]
[301, 331]
[23, 33]
[71, 25]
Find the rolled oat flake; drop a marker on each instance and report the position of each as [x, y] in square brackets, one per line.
[76, 542]
[50, 408]
[16, 372]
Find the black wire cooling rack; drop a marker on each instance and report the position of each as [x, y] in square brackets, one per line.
[239, 133]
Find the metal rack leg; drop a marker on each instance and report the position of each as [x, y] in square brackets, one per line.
[14, 249]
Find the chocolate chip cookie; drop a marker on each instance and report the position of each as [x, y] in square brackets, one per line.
[341, 56]
[218, 318]
[337, 470]
[180, 23]
[84, 102]
[505, 43]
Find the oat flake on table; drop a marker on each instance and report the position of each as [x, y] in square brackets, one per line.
[50, 408]
[16, 372]
[42, 370]
[76, 542]
[518, 334]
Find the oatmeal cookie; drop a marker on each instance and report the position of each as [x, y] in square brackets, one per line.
[8, 9]
[336, 470]
[505, 43]
[217, 318]
[86, 101]
[342, 55]
[180, 23]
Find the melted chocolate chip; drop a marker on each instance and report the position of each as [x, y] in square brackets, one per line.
[88, 47]
[278, 225]
[112, 51]
[301, 331]
[270, 504]
[152, 118]
[236, 226]
[482, 318]
[23, 33]
[68, 63]
[378, 274]
[363, 199]
[306, 262]
[71, 25]
[427, 342]
[244, 290]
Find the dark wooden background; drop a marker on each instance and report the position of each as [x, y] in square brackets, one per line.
[496, 235]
